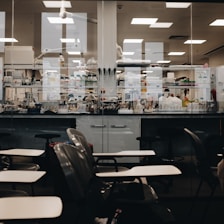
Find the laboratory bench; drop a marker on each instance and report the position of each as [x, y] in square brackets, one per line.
[107, 133]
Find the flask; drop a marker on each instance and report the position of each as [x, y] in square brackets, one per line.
[138, 108]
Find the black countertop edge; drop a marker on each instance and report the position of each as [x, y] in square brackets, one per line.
[145, 115]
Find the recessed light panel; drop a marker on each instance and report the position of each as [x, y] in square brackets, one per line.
[177, 4]
[217, 22]
[133, 41]
[161, 25]
[176, 53]
[8, 40]
[57, 4]
[194, 41]
[143, 21]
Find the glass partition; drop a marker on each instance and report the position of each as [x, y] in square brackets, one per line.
[62, 65]
[179, 41]
[95, 44]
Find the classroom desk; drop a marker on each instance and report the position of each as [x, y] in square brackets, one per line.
[143, 171]
[30, 207]
[20, 176]
[22, 152]
[125, 153]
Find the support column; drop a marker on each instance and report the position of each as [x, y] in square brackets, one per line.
[107, 34]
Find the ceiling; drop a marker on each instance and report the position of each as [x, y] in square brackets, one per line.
[184, 26]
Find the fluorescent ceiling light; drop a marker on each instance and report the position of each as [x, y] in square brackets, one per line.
[177, 4]
[217, 22]
[74, 52]
[133, 41]
[67, 40]
[58, 20]
[8, 40]
[161, 25]
[163, 61]
[125, 53]
[194, 41]
[176, 53]
[143, 21]
[57, 4]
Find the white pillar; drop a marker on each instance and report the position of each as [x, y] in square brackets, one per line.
[107, 34]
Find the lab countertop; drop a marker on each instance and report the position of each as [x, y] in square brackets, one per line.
[157, 114]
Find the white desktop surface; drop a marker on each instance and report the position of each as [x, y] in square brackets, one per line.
[21, 176]
[22, 152]
[127, 153]
[143, 171]
[30, 207]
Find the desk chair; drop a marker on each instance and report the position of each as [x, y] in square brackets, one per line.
[93, 198]
[205, 172]
[77, 137]
[79, 141]
[6, 162]
[48, 139]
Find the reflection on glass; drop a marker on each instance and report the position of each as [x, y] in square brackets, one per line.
[51, 79]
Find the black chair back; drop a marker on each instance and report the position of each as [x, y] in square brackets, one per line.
[79, 140]
[202, 162]
[77, 173]
[84, 186]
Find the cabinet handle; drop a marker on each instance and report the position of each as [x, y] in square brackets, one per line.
[98, 126]
[118, 126]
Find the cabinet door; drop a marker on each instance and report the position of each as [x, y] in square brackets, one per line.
[122, 134]
[94, 129]
[110, 133]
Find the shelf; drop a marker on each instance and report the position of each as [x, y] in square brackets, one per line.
[32, 67]
[182, 87]
[25, 86]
